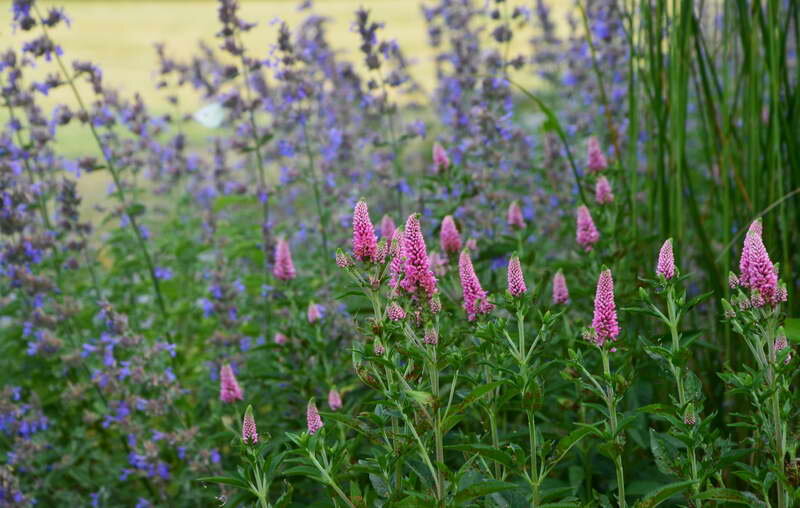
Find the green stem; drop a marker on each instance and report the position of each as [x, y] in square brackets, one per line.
[437, 424]
[535, 480]
[120, 190]
[611, 402]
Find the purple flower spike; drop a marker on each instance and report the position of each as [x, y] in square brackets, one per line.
[516, 281]
[395, 312]
[474, 296]
[587, 234]
[249, 432]
[666, 261]
[387, 228]
[602, 191]
[514, 216]
[596, 159]
[365, 243]
[312, 418]
[229, 389]
[605, 322]
[449, 238]
[284, 267]
[417, 271]
[334, 399]
[560, 291]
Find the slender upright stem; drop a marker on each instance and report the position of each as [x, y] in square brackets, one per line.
[120, 190]
[437, 424]
[317, 197]
[611, 402]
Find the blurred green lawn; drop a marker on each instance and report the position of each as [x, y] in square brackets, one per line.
[119, 36]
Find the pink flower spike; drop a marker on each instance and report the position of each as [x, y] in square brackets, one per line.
[514, 216]
[758, 272]
[365, 243]
[747, 256]
[280, 339]
[475, 301]
[596, 159]
[334, 399]
[587, 234]
[397, 264]
[666, 261]
[602, 191]
[312, 418]
[440, 159]
[605, 322]
[314, 313]
[560, 291]
[395, 312]
[229, 389]
[284, 267]
[417, 271]
[449, 237]
[387, 228]
[516, 281]
[249, 432]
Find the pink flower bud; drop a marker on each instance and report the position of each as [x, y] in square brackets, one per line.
[596, 159]
[475, 301]
[587, 234]
[312, 418]
[334, 400]
[365, 244]
[249, 432]
[387, 228]
[666, 261]
[284, 267]
[602, 191]
[440, 159]
[514, 216]
[449, 237]
[516, 281]
[395, 312]
[314, 313]
[229, 389]
[560, 291]
[605, 323]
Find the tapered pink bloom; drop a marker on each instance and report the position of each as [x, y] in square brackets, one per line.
[396, 264]
[440, 159]
[229, 389]
[365, 243]
[475, 301]
[666, 261]
[596, 159]
[387, 228]
[312, 418]
[249, 432]
[395, 312]
[514, 216]
[314, 313]
[449, 237]
[560, 291]
[284, 267]
[334, 399]
[602, 191]
[516, 281]
[280, 339]
[758, 272]
[605, 322]
[417, 271]
[587, 234]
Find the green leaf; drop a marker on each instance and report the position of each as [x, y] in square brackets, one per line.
[726, 495]
[792, 328]
[479, 392]
[226, 480]
[574, 437]
[663, 452]
[485, 450]
[660, 495]
[481, 489]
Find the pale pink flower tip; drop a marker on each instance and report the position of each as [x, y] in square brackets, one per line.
[284, 267]
[440, 159]
[313, 419]
[605, 322]
[314, 313]
[757, 270]
[475, 301]
[417, 271]
[596, 159]
[280, 339]
[249, 432]
[587, 234]
[365, 243]
[334, 399]
[449, 237]
[229, 389]
[516, 281]
[560, 291]
[602, 191]
[387, 228]
[395, 312]
[666, 261]
[514, 216]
